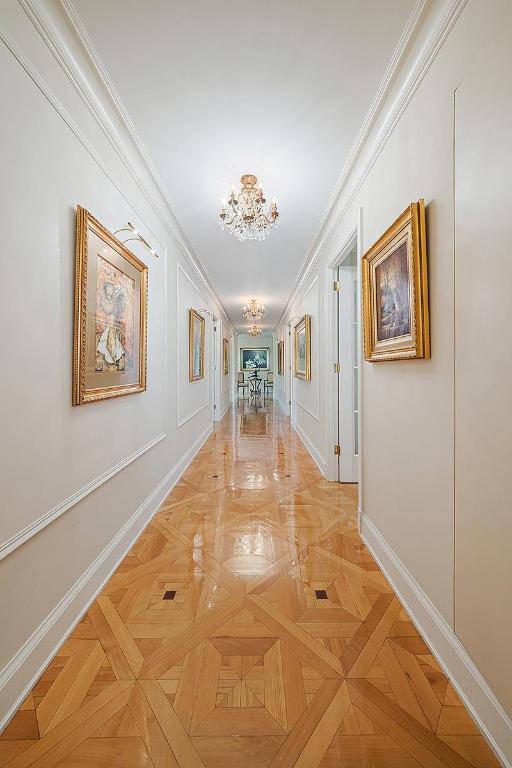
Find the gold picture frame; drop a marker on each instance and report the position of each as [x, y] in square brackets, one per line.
[196, 326]
[395, 291]
[225, 355]
[110, 315]
[280, 358]
[302, 345]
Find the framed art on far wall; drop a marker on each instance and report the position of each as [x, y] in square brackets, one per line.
[225, 355]
[109, 349]
[395, 291]
[196, 324]
[280, 358]
[251, 359]
[302, 341]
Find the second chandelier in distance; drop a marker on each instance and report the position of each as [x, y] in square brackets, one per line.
[254, 331]
[248, 216]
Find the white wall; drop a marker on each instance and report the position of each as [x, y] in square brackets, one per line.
[78, 484]
[408, 408]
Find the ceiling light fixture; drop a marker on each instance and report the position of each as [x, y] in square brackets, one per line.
[254, 331]
[253, 311]
[247, 216]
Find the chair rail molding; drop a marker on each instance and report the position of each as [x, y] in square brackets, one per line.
[25, 534]
[331, 219]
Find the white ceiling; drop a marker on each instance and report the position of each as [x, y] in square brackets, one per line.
[217, 89]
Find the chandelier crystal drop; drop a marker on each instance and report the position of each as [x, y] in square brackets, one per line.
[253, 311]
[248, 216]
[254, 331]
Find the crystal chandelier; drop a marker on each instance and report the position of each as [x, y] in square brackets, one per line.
[254, 331]
[247, 216]
[253, 311]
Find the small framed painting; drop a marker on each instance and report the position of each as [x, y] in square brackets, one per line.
[303, 348]
[196, 325]
[109, 350]
[395, 291]
[225, 355]
[280, 358]
[254, 359]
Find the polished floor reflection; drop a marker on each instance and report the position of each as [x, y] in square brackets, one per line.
[248, 626]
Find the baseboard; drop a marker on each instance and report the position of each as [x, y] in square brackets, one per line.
[21, 673]
[315, 454]
[223, 413]
[458, 666]
[285, 409]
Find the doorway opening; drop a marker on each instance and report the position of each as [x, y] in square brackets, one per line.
[345, 272]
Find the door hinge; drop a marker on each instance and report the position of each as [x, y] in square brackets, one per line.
[289, 402]
[336, 367]
[336, 286]
[215, 329]
[337, 450]
[214, 407]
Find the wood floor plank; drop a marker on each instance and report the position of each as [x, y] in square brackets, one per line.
[179, 740]
[57, 743]
[149, 728]
[174, 650]
[418, 741]
[319, 657]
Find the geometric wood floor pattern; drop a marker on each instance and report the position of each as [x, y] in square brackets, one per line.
[248, 626]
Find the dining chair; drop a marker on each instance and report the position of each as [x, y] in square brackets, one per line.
[268, 384]
[241, 385]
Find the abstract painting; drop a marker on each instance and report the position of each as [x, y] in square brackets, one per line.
[303, 348]
[395, 291]
[195, 345]
[109, 357]
[251, 359]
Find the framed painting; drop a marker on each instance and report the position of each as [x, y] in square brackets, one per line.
[303, 348]
[109, 349]
[225, 355]
[251, 359]
[395, 291]
[196, 324]
[280, 358]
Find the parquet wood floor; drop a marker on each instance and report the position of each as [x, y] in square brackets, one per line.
[248, 626]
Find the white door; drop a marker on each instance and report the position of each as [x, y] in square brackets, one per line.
[348, 378]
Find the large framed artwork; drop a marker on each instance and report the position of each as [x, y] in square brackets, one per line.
[303, 348]
[251, 359]
[280, 358]
[196, 324]
[225, 355]
[109, 350]
[395, 291]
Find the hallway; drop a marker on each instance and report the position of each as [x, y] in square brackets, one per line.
[247, 626]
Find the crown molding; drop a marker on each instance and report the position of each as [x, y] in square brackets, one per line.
[64, 34]
[331, 220]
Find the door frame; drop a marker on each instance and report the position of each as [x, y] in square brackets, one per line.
[353, 236]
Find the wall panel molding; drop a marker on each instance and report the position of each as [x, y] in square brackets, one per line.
[24, 669]
[180, 421]
[24, 535]
[455, 661]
